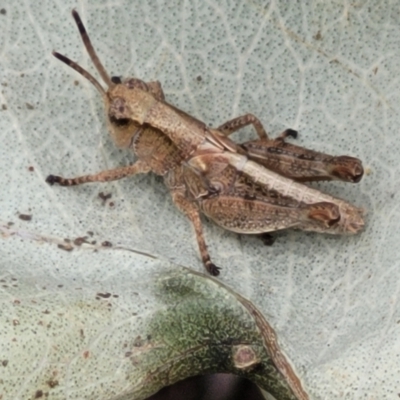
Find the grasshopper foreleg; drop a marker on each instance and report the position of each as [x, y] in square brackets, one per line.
[139, 167]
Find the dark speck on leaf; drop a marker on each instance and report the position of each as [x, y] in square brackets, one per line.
[104, 295]
[65, 247]
[25, 217]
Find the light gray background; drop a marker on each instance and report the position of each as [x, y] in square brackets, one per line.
[328, 69]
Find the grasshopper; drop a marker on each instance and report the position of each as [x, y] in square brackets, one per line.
[207, 172]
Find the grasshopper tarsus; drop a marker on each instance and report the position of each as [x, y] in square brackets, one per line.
[267, 239]
[288, 133]
[52, 179]
[212, 269]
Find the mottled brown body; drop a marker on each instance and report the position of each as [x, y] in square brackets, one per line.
[207, 172]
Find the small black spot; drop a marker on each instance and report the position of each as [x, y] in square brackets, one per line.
[105, 197]
[29, 106]
[3, 11]
[106, 243]
[52, 383]
[31, 169]
[116, 79]
[65, 247]
[138, 342]
[25, 217]
[4, 363]
[4, 106]
[104, 295]
[121, 121]
[292, 133]
[199, 78]
[318, 36]
[267, 239]
[80, 240]
[38, 394]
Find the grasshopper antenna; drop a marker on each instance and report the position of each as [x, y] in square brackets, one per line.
[82, 71]
[91, 51]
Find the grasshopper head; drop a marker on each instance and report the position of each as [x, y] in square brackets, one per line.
[123, 128]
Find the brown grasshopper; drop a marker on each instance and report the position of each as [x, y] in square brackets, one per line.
[206, 171]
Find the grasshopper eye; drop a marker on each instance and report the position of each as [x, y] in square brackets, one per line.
[119, 122]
